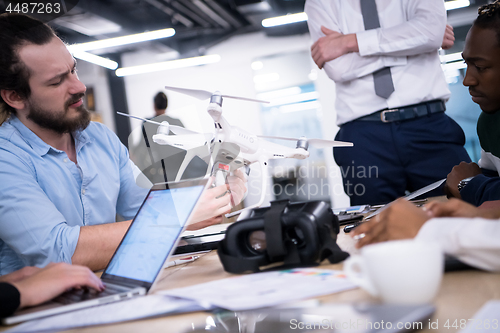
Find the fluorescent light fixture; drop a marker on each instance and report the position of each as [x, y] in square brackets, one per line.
[95, 59]
[451, 57]
[286, 19]
[124, 40]
[279, 93]
[265, 78]
[454, 4]
[173, 64]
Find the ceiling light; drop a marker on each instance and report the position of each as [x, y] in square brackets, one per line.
[161, 66]
[454, 4]
[124, 40]
[280, 20]
[95, 59]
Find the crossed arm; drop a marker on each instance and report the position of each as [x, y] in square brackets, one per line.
[345, 57]
[335, 44]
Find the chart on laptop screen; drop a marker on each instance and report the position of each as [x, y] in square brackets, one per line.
[153, 233]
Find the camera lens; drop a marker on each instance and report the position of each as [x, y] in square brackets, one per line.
[257, 240]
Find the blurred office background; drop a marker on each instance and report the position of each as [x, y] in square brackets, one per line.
[244, 58]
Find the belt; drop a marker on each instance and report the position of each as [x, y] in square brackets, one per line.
[406, 112]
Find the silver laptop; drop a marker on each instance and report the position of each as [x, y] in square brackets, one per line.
[150, 240]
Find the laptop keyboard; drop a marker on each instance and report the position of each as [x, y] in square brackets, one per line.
[85, 294]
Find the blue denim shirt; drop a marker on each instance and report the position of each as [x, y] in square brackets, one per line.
[45, 198]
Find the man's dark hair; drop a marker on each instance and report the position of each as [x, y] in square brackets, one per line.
[161, 101]
[17, 30]
[489, 18]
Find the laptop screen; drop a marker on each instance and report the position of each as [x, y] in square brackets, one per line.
[154, 232]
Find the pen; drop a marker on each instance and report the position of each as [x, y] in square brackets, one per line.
[349, 228]
[181, 261]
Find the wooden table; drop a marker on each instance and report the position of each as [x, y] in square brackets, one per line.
[461, 295]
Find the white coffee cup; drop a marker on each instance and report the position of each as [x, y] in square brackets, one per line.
[403, 272]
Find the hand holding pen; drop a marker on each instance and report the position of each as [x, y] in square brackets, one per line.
[400, 220]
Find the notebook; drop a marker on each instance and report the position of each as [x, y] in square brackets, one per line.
[150, 240]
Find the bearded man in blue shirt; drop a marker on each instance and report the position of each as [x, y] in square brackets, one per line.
[63, 179]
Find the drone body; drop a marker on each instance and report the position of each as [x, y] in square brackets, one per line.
[232, 146]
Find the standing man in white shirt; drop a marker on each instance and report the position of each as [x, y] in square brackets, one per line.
[391, 93]
[463, 230]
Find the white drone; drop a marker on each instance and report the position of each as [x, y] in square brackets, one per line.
[233, 146]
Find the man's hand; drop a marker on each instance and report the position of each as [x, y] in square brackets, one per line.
[451, 208]
[493, 205]
[399, 221]
[206, 223]
[218, 201]
[449, 38]
[332, 45]
[214, 201]
[237, 185]
[458, 208]
[53, 280]
[459, 172]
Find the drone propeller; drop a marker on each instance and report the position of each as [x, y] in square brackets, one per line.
[204, 94]
[175, 129]
[319, 143]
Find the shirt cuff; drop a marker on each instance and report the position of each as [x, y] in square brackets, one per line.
[442, 231]
[368, 42]
[470, 192]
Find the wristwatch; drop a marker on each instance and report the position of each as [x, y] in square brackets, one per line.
[463, 183]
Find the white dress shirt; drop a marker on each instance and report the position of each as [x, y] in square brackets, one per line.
[489, 161]
[473, 241]
[408, 41]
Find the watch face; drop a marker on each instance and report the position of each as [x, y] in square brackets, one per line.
[463, 183]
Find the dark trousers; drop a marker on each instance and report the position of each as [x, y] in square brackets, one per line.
[390, 158]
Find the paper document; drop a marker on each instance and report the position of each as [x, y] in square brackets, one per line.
[410, 196]
[487, 319]
[265, 289]
[136, 308]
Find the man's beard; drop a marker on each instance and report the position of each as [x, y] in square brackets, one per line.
[56, 120]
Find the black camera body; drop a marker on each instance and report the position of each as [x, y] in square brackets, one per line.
[296, 234]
